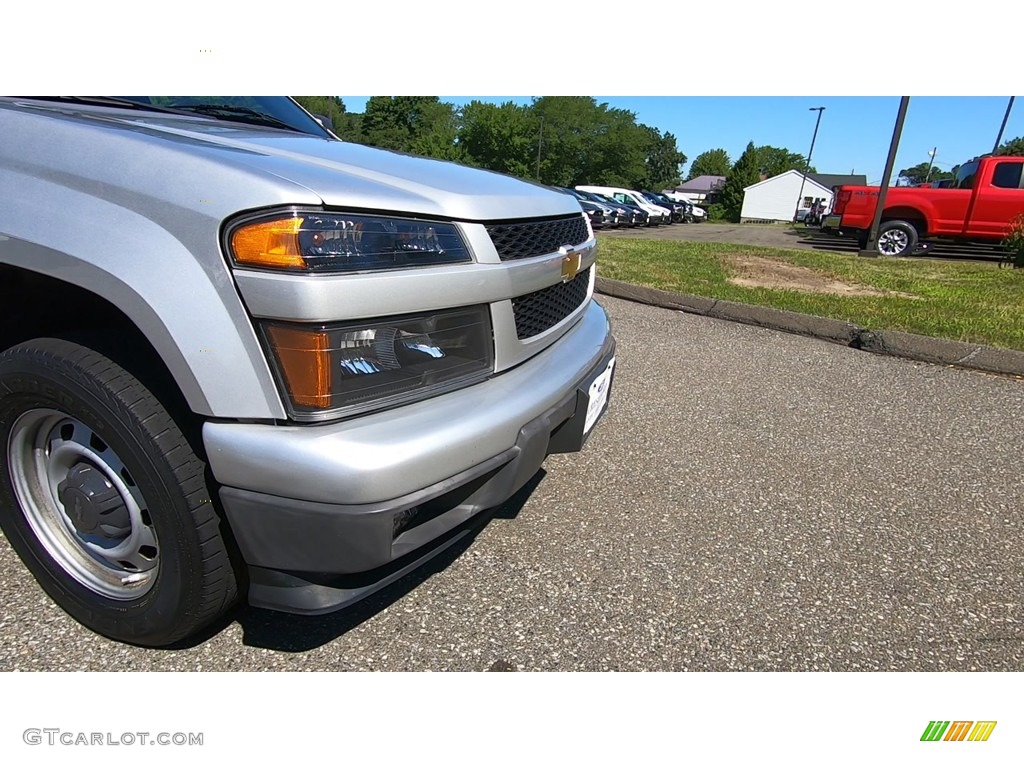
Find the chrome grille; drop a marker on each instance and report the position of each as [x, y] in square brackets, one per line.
[523, 239]
[536, 312]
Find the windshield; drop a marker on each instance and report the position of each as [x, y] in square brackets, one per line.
[272, 111]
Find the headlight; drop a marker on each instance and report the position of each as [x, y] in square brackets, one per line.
[318, 241]
[338, 369]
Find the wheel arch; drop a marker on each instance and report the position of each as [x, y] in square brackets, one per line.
[913, 216]
[35, 305]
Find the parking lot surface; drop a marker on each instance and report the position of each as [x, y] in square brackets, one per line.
[781, 236]
[752, 501]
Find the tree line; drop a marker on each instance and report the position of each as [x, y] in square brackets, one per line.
[568, 140]
[557, 140]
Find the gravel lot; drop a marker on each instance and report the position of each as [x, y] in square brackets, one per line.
[753, 501]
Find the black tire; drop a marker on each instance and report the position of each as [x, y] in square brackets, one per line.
[896, 238]
[59, 401]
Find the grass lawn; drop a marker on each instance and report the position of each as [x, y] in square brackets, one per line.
[964, 301]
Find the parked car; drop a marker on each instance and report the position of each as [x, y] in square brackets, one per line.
[609, 215]
[656, 214]
[237, 353]
[697, 213]
[600, 216]
[680, 211]
[628, 215]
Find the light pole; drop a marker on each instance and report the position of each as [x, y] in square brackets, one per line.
[540, 143]
[999, 138]
[931, 161]
[870, 248]
[807, 166]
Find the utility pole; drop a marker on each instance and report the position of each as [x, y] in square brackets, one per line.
[931, 160]
[540, 142]
[871, 246]
[999, 138]
[807, 166]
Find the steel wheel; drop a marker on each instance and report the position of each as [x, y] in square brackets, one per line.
[104, 498]
[83, 504]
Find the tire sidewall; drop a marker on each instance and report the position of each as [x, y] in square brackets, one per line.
[908, 229]
[26, 384]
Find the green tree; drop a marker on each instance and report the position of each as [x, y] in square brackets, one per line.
[570, 125]
[330, 106]
[713, 162]
[1012, 147]
[345, 125]
[662, 161]
[581, 141]
[918, 174]
[499, 137]
[775, 160]
[437, 133]
[619, 150]
[745, 172]
[416, 124]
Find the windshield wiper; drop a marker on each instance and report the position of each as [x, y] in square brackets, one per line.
[239, 114]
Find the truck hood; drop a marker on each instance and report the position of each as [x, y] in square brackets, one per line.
[341, 174]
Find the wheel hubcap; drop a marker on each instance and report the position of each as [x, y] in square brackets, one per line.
[83, 504]
[93, 504]
[893, 242]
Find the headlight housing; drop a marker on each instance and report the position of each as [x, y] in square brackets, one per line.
[339, 369]
[324, 241]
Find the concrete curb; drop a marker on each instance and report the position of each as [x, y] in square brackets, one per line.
[895, 343]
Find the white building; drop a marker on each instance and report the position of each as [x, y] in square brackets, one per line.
[775, 199]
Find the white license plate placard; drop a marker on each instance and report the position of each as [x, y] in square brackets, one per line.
[598, 396]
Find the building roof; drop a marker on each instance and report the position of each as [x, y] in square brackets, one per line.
[811, 181]
[701, 184]
[829, 180]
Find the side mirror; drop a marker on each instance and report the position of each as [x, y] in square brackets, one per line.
[325, 121]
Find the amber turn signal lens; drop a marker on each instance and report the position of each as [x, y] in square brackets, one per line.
[305, 362]
[269, 243]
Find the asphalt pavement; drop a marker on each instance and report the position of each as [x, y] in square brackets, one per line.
[752, 501]
[781, 236]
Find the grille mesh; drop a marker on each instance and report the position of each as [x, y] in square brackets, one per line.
[536, 312]
[523, 239]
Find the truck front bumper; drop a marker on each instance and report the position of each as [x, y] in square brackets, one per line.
[327, 514]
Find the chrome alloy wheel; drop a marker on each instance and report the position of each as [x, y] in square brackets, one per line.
[82, 504]
[893, 242]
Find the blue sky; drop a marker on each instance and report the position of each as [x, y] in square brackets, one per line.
[854, 134]
[692, 71]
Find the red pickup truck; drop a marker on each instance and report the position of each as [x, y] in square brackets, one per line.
[977, 207]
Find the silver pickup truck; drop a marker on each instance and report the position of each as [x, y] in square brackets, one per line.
[240, 357]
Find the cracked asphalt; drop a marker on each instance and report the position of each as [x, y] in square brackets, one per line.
[752, 501]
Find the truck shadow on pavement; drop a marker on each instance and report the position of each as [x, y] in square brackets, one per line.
[294, 634]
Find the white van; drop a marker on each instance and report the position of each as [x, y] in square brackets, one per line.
[657, 214]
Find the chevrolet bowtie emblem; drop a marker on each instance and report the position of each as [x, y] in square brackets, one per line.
[571, 265]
